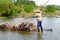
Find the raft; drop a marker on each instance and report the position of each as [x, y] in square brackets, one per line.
[24, 26]
[27, 27]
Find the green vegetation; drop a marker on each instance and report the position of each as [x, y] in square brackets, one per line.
[22, 7]
[28, 8]
[11, 7]
[6, 8]
[50, 8]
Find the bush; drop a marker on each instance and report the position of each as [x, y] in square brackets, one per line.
[28, 8]
[12, 7]
[50, 8]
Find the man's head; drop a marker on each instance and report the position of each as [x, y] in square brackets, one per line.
[37, 11]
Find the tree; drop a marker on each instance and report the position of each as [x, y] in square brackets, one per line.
[7, 8]
[4, 6]
[28, 8]
[28, 5]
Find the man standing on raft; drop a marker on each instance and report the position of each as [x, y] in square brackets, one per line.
[39, 20]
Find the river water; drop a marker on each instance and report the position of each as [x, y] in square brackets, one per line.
[48, 23]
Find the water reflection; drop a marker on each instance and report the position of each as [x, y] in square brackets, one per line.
[39, 36]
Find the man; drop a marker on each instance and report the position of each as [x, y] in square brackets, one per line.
[39, 20]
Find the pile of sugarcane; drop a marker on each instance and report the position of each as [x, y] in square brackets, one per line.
[24, 26]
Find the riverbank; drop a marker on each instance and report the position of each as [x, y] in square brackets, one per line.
[57, 13]
[29, 15]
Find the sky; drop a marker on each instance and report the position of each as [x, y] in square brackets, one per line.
[41, 2]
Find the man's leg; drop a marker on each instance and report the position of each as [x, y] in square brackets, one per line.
[41, 29]
[38, 29]
[41, 26]
[38, 25]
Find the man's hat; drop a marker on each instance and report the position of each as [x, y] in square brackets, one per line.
[37, 11]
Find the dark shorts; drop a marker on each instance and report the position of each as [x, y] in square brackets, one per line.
[39, 24]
